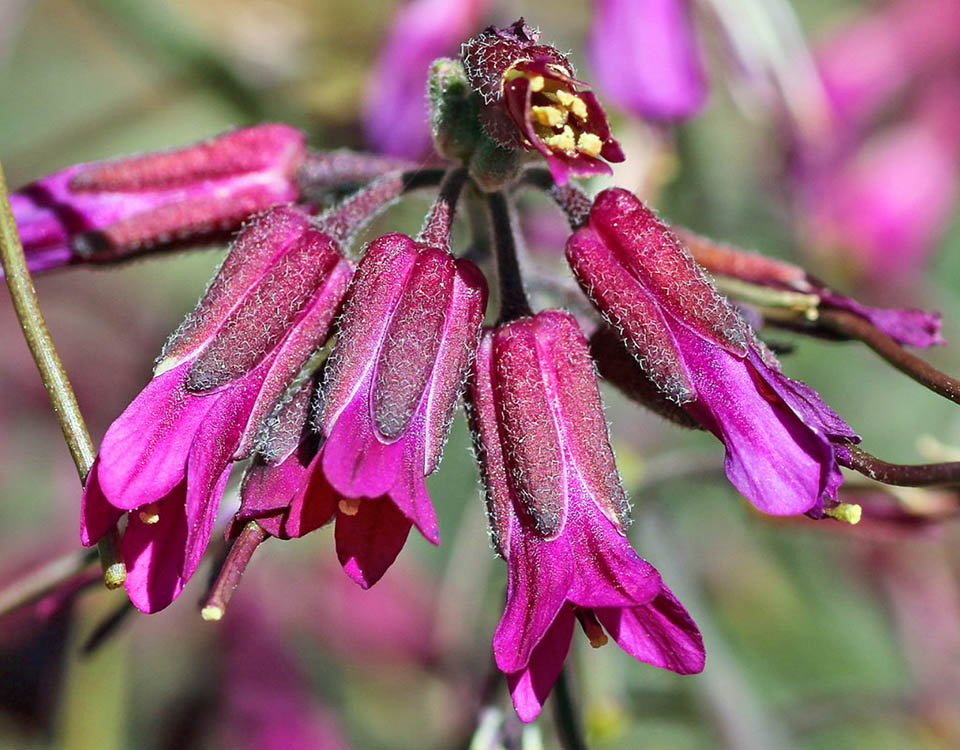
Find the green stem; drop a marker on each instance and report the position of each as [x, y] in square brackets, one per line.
[565, 713]
[54, 377]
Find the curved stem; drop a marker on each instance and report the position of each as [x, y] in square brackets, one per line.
[902, 475]
[853, 326]
[54, 377]
[439, 222]
[565, 713]
[513, 298]
[353, 212]
[215, 605]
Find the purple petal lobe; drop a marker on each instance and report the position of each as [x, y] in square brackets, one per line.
[660, 633]
[97, 515]
[369, 540]
[530, 686]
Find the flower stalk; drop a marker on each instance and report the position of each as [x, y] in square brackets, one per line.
[852, 326]
[215, 605]
[944, 474]
[513, 298]
[52, 373]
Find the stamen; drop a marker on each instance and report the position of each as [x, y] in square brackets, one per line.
[349, 506]
[589, 144]
[574, 103]
[845, 512]
[591, 626]
[149, 513]
[564, 141]
[550, 116]
[536, 84]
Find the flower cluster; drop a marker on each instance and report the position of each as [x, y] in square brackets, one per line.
[335, 378]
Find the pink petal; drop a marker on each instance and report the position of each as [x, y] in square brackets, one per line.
[659, 633]
[154, 553]
[530, 686]
[369, 540]
[97, 516]
[144, 453]
[540, 575]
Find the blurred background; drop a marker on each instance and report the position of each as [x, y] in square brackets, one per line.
[827, 134]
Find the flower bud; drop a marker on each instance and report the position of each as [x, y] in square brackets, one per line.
[102, 211]
[533, 101]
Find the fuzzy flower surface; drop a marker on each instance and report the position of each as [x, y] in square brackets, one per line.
[105, 210]
[532, 100]
[167, 458]
[559, 513]
[782, 441]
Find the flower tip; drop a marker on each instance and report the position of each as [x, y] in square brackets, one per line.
[212, 613]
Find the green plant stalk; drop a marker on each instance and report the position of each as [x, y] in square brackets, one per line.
[54, 377]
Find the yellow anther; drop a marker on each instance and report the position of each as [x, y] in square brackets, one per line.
[552, 117]
[591, 627]
[349, 506]
[536, 84]
[564, 141]
[574, 103]
[149, 514]
[589, 144]
[846, 512]
[212, 613]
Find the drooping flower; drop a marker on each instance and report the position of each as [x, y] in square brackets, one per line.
[405, 341]
[395, 113]
[782, 441]
[168, 456]
[646, 57]
[532, 100]
[101, 211]
[559, 513]
[910, 327]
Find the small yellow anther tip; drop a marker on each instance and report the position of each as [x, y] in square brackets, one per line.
[598, 640]
[850, 513]
[212, 613]
[115, 575]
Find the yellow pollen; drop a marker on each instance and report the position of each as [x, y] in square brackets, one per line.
[536, 84]
[349, 506]
[212, 613]
[846, 513]
[574, 103]
[550, 116]
[564, 141]
[589, 144]
[149, 514]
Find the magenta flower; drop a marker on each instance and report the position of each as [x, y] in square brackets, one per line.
[909, 327]
[168, 455]
[106, 210]
[559, 514]
[405, 341]
[781, 439]
[533, 101]
[395, 111]
[646, 57]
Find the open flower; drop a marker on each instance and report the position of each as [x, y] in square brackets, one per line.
[533, 101]
[559, 514]
[782, 440]
[101, 211]
[168, 456]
